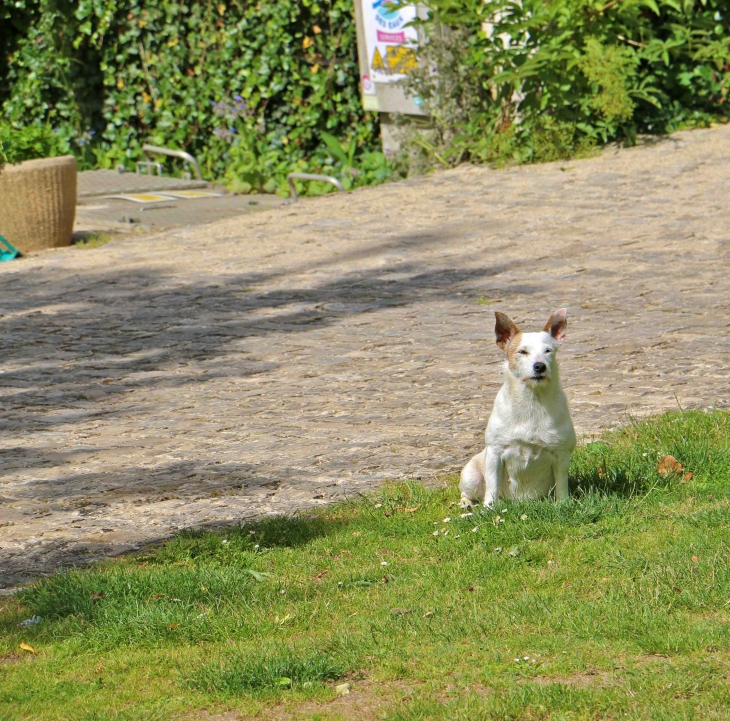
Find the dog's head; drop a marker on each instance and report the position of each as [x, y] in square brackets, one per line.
[531, 357]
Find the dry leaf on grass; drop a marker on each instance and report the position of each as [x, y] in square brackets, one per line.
[668, 466]
[172, 625]
[321, 575]
[687, 477]
[26, 647]
[343, 689]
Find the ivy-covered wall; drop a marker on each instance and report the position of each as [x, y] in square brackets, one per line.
[247, 87]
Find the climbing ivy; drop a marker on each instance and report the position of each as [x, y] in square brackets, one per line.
[110, 75]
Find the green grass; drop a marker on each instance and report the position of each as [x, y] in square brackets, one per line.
[616, 603]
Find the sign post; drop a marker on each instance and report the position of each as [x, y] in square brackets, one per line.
[387, 53]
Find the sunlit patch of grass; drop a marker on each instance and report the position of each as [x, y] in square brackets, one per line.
[611, 604]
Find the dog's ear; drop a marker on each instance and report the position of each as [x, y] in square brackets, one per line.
[557, 324]
[504, 329]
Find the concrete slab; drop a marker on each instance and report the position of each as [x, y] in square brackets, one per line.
[96, 213]
[110, 182]
[112, 215]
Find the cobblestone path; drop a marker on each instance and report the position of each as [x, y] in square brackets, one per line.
[267, 363]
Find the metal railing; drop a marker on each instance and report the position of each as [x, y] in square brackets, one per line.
[310, 176]
[150, 150]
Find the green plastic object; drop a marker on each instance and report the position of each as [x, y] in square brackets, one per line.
[7, 253]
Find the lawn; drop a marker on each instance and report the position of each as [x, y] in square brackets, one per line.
[612, 605]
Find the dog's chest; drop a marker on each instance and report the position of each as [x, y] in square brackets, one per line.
[528, 461]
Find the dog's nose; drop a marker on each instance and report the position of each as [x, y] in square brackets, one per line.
[539, 367]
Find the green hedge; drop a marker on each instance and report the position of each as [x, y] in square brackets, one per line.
[551, 78]
[246, 87]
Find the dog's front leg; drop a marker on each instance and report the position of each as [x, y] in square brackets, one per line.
[492, 467]
[560, 474]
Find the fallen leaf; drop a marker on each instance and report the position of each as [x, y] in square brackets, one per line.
[26, 647]
[352, 614]
[357, 533]
[172, 625]
[669, 465]
[471, 588]
[156, 596]
[695, 559]
[321, 575]
[307, 43]
[400, 611]
[427, 614]
[677, 590]
[687, 477]
[412, 510]
[97, 596]
[316, 29]
[604, 579]
[343, 689]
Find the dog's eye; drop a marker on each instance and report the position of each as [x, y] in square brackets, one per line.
[547, 350]
[523, 352]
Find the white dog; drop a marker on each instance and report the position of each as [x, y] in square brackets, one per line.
[530, 434]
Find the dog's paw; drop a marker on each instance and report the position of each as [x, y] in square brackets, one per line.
[465, 502]
[489, 504]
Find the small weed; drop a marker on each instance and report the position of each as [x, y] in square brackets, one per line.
[92, 240]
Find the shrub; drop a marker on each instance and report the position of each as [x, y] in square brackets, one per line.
[29, 143]
[536, 79]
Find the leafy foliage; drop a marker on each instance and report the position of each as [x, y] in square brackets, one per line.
[536, 80]
[110, 75]
[33, 141]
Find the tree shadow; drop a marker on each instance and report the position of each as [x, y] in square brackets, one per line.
[74, 346]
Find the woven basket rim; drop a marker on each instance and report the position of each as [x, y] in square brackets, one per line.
[38, 164]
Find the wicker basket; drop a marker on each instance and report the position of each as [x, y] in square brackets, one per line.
[38, 203]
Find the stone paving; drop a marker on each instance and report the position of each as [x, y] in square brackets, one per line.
[306, 353]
